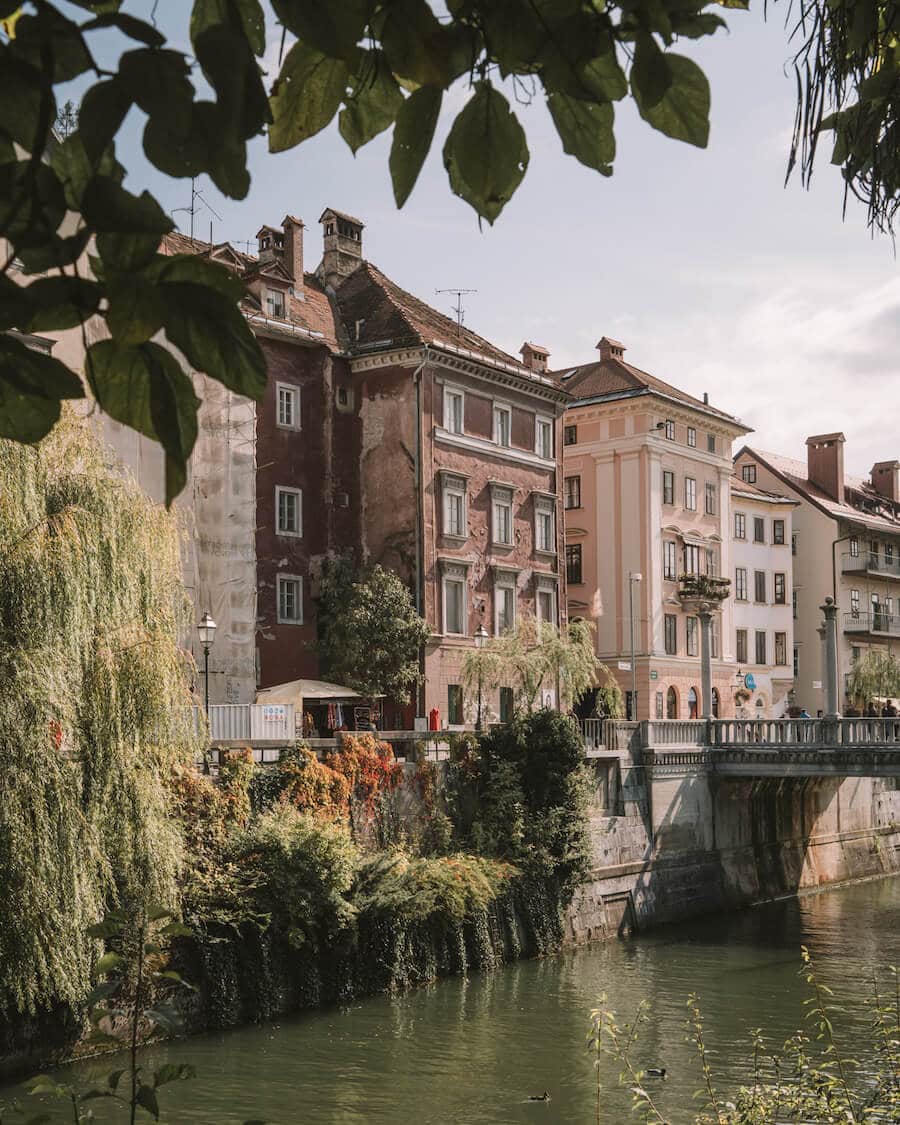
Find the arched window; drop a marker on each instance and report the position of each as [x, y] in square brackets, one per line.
[692, 704]
[715, 702]
[671, 704]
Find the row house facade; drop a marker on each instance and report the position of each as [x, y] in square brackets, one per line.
[845, 543]
[647, 473]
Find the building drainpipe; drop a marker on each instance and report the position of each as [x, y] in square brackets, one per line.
[420, 545]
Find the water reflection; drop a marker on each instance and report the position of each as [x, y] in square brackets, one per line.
[472, 1051]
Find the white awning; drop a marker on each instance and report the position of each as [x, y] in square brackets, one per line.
[313, 691]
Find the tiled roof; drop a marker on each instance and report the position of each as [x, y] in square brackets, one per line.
[744, 488]
[614, 376]
[341, 215]
[796, 474]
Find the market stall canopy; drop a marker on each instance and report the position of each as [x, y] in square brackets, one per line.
[310, 691]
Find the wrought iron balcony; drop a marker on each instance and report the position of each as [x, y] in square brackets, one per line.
[703, 587]
[880, 623]
[872, 562]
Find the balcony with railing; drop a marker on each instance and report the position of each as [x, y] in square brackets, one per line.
[877, 563]
[877, 624]
[703, 588]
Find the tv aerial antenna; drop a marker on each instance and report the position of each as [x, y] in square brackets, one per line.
[458, 307]
[198, 202]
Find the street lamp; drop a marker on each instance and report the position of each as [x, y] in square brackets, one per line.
[633, 577]
[207, 631]
[481, 639]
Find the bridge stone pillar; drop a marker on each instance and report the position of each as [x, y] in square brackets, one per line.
[704, 612]
[829, 659]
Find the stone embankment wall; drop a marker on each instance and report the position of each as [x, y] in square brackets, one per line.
[671, 847]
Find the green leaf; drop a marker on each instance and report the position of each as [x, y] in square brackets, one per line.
[109, 963]
[61, 302]
[586, 130]
[121, 253]
[374, 101]
[54, 252]
[486, 154]
[31, 387]
[15, 304]
[683, 112]
[136, 310]
[146, 1099]
[166, 1017]
[100, 117]
[228, 64]
[21, 86]
[32, 203]
[191, 268]
[173, 1072]
[145, 388]
[413, 133]
[75, 169]
[157, 81]
[306, 96]
[50, 30]
[651, 74]
[208, 145]
[128, 25]
[416, 45]
[114, 1078]
[110, 209]
[603, 78]
[332, 28]
[171, 975]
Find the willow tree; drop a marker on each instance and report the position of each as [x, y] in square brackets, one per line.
[94, 709]
[876, 676]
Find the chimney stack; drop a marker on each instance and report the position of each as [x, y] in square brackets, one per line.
[342, 239]
[534, 356]
[293, 251]
[825, 464]
[886, 479]
[610, 349]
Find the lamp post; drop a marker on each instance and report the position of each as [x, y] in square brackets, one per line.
[633, 576]
[207, 632]
[481, 639]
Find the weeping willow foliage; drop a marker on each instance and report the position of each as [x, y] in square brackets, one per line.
[94, 709]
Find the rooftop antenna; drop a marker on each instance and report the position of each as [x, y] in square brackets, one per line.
[197, 194]
[458, 307]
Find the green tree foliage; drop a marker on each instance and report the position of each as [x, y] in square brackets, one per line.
[876, 676]
[373, 65]
[369, 631]
[94, 711]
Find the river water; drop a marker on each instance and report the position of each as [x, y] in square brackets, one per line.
[473, 1051]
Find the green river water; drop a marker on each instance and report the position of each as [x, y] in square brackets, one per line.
[472, 1051]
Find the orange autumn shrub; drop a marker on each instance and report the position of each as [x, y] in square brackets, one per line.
[314, 787]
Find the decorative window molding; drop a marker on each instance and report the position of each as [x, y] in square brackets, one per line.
[484, 446]
[501, 514]
[454, 597]
[454, 506]
[289, 512]
[544, 523]
[543, 437]
[289, 599]
[288, 406]
[454, 409]
[502, 415]
[505, 591]
[670, 560]
[546, 597]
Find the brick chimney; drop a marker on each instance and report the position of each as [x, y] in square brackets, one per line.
[534, 356]
[610, 349]
[293, 251]
[269, 243]
[825, 463]
[886, 479]
[342, 240]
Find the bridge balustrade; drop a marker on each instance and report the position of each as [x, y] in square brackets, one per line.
[676, 732]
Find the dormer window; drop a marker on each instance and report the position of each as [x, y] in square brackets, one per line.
[275, 303]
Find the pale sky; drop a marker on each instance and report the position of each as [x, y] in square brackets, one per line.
[715, 276]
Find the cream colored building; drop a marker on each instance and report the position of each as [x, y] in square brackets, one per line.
[761, 589]
[647, 471]
[846, 543]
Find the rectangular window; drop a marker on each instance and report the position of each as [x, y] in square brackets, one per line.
[759, 529]
[454, 705]
[691, 437]
[573, 492]
[693, 559]
[778, 532]
[759, 586]
[502, 425]
[740, 525]
[288, 505]
[854, 546]
[573, 564]
[796, 661]
[659, 705]
[710, 443]
[760, 646]
[570, 435]
[670, 563]
[275, 303]
[854, 603]
[714, 638]
[504, 609]
[455, 508]
[288, 406]
[454, 410]
[748, 474]
[290, 599]
[740, 583]
[502, 517]
[781, 649]
[889, 555]
[692, 636]
[794, 604]
[690, 494]
[741, 646]
[454, 606]
[711, 568]
[670, 429]
[780, 590]
[670, 633]
[793, 544]
[545, 531]
[507, 704]
[668, 486]
[710, 499]
[546, 606]
[543, 438]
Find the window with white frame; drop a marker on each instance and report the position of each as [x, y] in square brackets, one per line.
[692, 636]
[289, 511]
[741, 646]
[502, 424]
[668, 486]
[759, 587]
[544, 524]
[711, 567]
[854, 603]
[454, 497]
[740, 525]
[691, 437]
[778, 532]
[543, 437]
[780, 589]
[670, 560]
[714, 640]
[781, 648]
[740, 583]
[501, 515]
[573, 492]
[693, 558]
[748, 474]
[710, 499]
[290, 599]
[690, 494]
[453, 596]
[759, 529]
[275, 303]
[854, 546]
[454, 410]
[670, 429]
[288, 406]
[545, 601]
[761, 647]
[504, 602]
